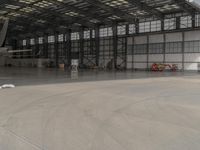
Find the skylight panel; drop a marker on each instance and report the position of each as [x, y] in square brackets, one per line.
[43, 4]
[114, 17]
[2, 12]
[14, 14]
[12, 6]
[116, 3]
[71, 13]
[168, 7]
[27, 1]
[41, 21]
[27, 9]
[94, 21]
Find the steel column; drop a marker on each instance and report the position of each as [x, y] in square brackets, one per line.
[115, 44]
[97, 44]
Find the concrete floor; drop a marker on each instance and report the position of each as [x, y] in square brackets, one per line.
[33, 76]
[139, 113]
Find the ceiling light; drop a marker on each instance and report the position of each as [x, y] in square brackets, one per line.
[12, 6]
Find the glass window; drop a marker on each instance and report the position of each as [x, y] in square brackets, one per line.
[197, 20]
[61, 38]
[121, 30]
[132, 29]
[144, 27]
[51, 39]
[75, 36]
[32, 41]
[170, 24]
[155, 26]
[104, 32]
[24, 43]
[87, 34]
[186, 22]
[40, 40]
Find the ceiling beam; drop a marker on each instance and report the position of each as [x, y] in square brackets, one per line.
[51, 13]
[113, 11]
[184, 6]
[144, 7]
[86, 14]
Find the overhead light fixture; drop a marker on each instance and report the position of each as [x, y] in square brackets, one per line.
[43, 4]
[94, 21]
[71, 13]
[27, 1]
[114, 17]
[12, 6]
[14, 14]
[27, 9]
[2, 12]
[116, 3]
[41, 21]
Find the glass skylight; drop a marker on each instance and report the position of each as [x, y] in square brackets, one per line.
[27, 1]
[12, 6]
[43, 4]
[71, 13]
[115, 3]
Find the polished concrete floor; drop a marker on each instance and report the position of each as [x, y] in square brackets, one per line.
[147, 111]
[34, 76]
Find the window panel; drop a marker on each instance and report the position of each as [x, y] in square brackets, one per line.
[170, 24]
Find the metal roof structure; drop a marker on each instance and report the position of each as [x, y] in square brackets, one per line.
[28, 16]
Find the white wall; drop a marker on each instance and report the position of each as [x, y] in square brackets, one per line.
[173, 57]
[158, 38]
[140, 66]
[174, 37]
[191, 66]
[192, 35]
[140, 40]
[156, 58]
[192, 57]
[140, 58]
[191, 60]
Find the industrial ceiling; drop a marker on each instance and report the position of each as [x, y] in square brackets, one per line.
[40, 15]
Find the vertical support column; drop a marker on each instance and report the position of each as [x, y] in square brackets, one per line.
[14, 43]
[27, 43]
[91, 42]
[137, 28]
[82, 46]
[56, 52]
[133, 53]
[97, 44]
[68, 46]
[20, 43]
[115, 43]
[163, 25]
[193, 20]
[45, 45]
[164, 48]
[36, 46]
[147, 52]
[126, 45]
[178, 23]
[183, 51]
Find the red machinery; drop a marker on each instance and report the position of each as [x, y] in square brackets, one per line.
[161, 67]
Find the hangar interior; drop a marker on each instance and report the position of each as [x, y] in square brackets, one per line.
[99, 74]
[120, 34]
